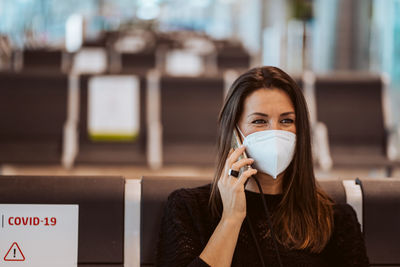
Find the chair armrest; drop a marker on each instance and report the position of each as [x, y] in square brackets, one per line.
[321, 146]
[393, 143]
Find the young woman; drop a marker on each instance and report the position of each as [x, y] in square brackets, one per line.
[227, 224]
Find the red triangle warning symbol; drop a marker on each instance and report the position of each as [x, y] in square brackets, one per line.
[14, 253]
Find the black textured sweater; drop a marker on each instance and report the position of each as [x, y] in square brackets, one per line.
[187, 226]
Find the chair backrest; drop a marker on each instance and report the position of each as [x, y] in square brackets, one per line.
[155, 191]
[33, 110]
[381, 220]
[299, 80]
[351, 107]
[139, 62]
[107, 151]
[189, 114]
[42, 59]
[232, 56]
[101, 210]
[190, 108]
[334, 188]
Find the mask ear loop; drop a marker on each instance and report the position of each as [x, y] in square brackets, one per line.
[237, 127]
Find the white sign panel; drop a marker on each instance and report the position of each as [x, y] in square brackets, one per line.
[90, 60]
[38, 235]
[131, 44]
[113, 107]
[184, 63]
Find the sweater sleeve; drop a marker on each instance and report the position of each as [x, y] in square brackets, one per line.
[179, 243]
[347, 246]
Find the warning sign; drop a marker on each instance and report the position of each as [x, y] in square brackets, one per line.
[38, 235]
[14, 253]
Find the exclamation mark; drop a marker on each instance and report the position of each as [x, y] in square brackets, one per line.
[15, 252]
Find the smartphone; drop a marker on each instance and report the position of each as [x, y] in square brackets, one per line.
[236, 143]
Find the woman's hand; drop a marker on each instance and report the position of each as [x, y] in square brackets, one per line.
[219, 249]
[232, 188]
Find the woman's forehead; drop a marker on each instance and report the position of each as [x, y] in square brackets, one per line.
[268, 100]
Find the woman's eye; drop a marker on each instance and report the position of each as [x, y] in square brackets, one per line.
[259, 121]
[287, 121]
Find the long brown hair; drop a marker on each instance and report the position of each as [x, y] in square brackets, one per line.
[304, 218]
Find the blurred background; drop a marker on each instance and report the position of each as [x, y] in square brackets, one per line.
[134, 87]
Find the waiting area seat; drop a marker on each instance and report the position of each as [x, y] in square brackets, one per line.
[93, 151]
[33, 110]
[380, 211]
[351, 107]
[189, 114]
[119, 219]
[46, 60]
[137, 63]
[381, 220]
[184, 131]
[232, 56]
[101, 203]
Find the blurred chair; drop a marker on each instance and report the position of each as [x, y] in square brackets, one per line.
[127, 151]
[180, 62]
[134, 53]
[46, 60]
[101, 203]
[232, 56]
[6, 53]
[381, 220]
[33, 111]
[155, 191]
[299, 80]
[104, 39]
[91, 60]
[189, 114]
[136, 63]
[349, 108]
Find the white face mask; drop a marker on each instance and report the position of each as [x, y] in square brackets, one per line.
[272, 150]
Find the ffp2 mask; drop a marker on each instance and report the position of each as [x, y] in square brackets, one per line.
[272, 150]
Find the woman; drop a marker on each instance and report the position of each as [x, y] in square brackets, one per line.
[226, 224]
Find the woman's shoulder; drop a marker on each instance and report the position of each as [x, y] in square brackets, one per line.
[195, 192]
[188, 205]
[344, 212]
[198, 196]
[346, 224]
[347, 245]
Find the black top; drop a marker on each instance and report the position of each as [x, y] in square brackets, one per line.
[187, 226]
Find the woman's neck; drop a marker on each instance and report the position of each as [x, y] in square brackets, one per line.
[268, 184]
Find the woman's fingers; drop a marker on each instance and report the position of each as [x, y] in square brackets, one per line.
[232, 158]
[225, 172]
[232, 190]
[241, 163]
[246, 174]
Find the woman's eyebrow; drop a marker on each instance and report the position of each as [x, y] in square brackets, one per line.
[288, 113]
[258, 113]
